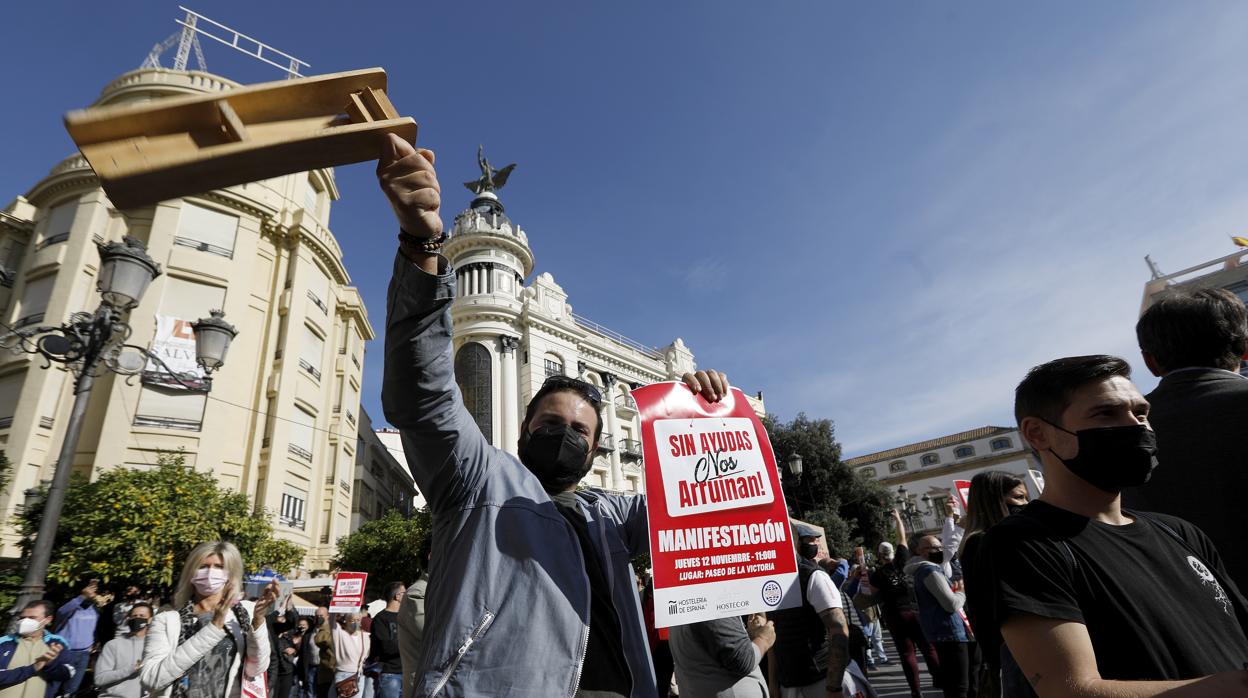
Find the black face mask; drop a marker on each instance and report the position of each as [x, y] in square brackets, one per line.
[1111, 458]
[557, 455]
[808, 550]
[936, 556]
[1015, 508]
[136, 624]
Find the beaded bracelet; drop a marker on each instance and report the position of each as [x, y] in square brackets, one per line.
[429, 245]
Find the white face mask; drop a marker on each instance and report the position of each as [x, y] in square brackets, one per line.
[27, 626]
[209, 580]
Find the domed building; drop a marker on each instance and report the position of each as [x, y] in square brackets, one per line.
[279, 423]
[509, 338]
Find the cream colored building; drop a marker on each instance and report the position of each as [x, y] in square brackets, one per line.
[382, 481]
[280, 423]
[931, 467]
[509, 338]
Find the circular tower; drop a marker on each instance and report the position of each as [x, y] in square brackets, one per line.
[491, 258]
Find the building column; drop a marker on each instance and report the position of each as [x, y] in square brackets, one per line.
[510, 409]
[613, 426]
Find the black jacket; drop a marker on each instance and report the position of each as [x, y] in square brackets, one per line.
[1201, 419]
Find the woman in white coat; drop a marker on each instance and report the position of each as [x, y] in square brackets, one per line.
[206, 647]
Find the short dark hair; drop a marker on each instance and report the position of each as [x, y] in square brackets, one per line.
[391, 589]
[1206, 327]
[1046, 391]
[48, 608]
[568, 386]
[142, 604]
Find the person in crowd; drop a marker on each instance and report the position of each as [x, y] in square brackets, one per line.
[288, 643]
[893, 589]
[993, 496]
[550, 564]
[385, 643]
[940, 604]
[1094, 600]
[720, 658]
[121, 609]
[117, 668]
[351, 648]
[33, 658]
[76, 621]
[811, 653]
[308, 658]
[837, 569]
[951, 533]
[412, 623]
[1196, 342]
[857, 588]
[327, 661]
[212, 640]
[276, 624]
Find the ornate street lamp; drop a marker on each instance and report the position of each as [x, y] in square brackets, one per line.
[795, 465]
[907, 508]
[89, 341]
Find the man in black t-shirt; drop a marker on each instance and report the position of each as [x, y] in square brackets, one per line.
[894, 589]
[1094, 600]
[385, 646]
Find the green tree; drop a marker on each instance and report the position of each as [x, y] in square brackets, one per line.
[851, 509]
[388, 549]
[136, 526]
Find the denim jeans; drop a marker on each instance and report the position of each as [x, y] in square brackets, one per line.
[390, 686]
[875, 641]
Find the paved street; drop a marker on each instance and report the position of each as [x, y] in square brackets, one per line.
[889, 681]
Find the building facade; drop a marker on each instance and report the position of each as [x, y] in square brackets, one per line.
[1229, 272]
[509, 338]
[280, 422]
[927, 469]
[382, 481]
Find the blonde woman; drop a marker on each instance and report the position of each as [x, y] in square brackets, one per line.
[205, 647]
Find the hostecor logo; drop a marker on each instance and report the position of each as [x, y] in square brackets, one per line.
[772, 593]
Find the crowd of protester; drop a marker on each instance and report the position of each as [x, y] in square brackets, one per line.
[528, 587]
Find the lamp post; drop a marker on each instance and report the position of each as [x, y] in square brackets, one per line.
[89, 342]
[907, 508]
[793, 466]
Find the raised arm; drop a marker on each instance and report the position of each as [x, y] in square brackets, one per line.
[1057, 658]
[445, 449]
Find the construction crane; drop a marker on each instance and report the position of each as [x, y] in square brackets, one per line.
[187, 40]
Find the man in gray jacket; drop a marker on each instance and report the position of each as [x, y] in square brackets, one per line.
[117, 669]
[530, 592]
[720, 658]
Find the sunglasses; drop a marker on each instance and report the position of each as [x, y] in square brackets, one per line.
[588, 390]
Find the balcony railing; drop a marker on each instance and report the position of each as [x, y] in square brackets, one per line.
[6, 422]
[51, 240]
[300, 452]
[33, 319]
[606, 443]
[318, 302]
[626, 401]
[203, 247]
[46, 422]
[292, 522]
[152, 420]
[630, 448]
[309, 368]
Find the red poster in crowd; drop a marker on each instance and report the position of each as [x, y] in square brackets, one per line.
[720, 541]
[348, 592]
[963, 488]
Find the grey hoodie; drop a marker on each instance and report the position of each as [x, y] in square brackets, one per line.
[507, 606]
[115, 672]
[949, 600]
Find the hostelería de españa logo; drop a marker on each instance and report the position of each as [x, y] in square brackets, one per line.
[710, 465]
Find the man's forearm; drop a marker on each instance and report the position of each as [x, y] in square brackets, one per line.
[838, 646]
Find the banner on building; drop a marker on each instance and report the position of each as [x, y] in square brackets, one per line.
[174, 343]
[720, 541]
[963, 488]
[348, 592]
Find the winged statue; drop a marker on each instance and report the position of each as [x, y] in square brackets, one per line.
[491, 179]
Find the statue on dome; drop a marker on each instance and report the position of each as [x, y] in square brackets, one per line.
[491, 179]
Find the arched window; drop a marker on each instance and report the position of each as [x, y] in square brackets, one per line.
[1001, 444]
[868, 472]
[930, 459]
[473, 373]
[897, 466]
[963, 451]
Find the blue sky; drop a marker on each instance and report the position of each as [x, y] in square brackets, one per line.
[879, 213]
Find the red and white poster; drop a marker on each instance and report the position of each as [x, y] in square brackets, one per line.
[963, 488]
[348, 592]
[256, 686]
[720, 541]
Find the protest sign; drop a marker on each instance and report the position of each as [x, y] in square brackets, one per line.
[348, 592]
[963, 488]
[255, 686]
[720, 541]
